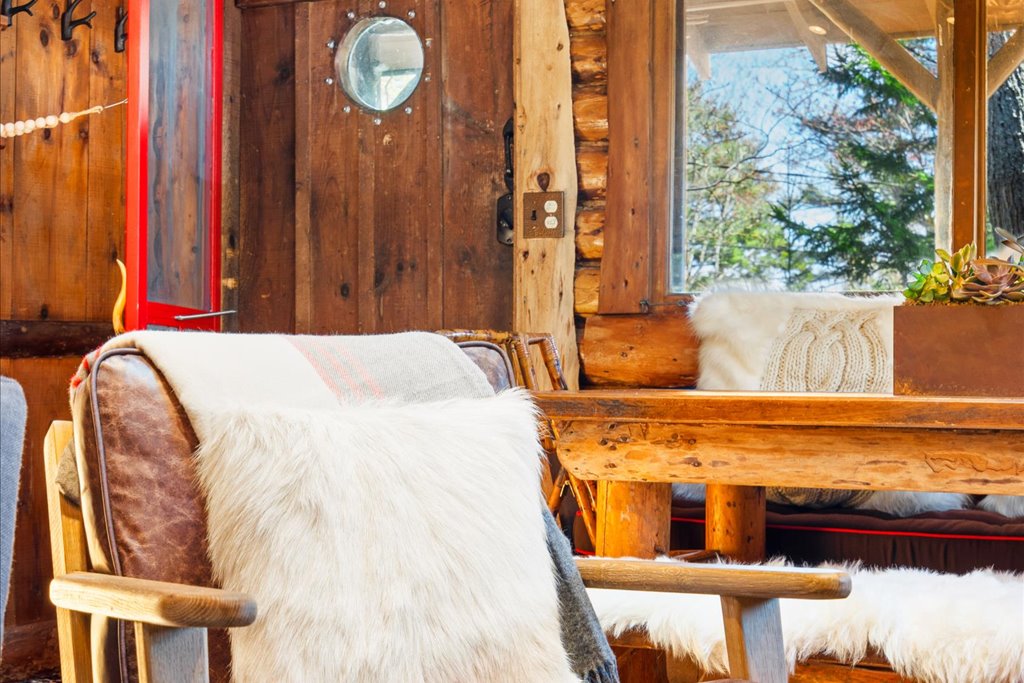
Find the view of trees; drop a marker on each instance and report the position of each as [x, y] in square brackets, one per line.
[835, 187]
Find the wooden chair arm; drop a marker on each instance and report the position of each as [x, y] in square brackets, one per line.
[760, 583]
[152, 602]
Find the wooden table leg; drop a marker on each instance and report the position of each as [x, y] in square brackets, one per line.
[735, 521]
[633, 520]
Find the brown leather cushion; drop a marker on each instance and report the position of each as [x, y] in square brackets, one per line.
[146, 512]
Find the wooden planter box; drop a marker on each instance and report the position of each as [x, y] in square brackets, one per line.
[959, 350]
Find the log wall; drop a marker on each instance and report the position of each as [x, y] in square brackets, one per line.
[616, 350]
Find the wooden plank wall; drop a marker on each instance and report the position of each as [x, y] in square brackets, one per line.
[61, 227]
[352, 222]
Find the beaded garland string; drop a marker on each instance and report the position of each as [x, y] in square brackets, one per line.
[16, 128]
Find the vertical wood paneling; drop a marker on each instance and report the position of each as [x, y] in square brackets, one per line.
[407, 220]
[478, 270]
[266, 241]
[330, 186]
[106, 214]
[61, 223]
[8, 84]
[51, 170]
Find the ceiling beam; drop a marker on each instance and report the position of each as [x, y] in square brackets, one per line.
[815, 43]
[1006, 61]
[883, 47]
[697, 50]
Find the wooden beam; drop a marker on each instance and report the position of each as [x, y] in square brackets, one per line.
[1006, 61]
[545, 152]
[943, 12]
[626, 262]
[754, 582]
[698, 51]
[868, 458]
[815, 44]
[51, 338]
[970, 114]
[883, 47]
[659, 349]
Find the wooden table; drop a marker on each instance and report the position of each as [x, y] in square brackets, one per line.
[636, 442]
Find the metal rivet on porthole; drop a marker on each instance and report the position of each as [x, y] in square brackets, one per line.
[331, 44]
[329, 81]
[408, 110]
[351, 15]
[412, 14]
[382, 4]
[428, 42]
[346, 109]
[376, 121]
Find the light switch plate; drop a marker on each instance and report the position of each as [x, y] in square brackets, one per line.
[543, 215]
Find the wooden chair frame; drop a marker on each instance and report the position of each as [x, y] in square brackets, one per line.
[518, 346]
[171, 620]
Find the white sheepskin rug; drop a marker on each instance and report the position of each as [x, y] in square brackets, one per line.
[934, 628]
[385, 544]
[833, 341]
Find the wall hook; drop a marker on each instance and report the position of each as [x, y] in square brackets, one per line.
[9, 9]
[120, 34]
[68, 23]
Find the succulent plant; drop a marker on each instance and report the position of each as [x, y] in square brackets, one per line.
[962, 278]
[994, 281]
[1014, 243]
[936, 280]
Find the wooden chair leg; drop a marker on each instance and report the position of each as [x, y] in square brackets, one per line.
[68, 550]
[753, 639]
[171, 655]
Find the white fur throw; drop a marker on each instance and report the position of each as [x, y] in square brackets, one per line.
[785, 341]
[934, 628]
[382, 537]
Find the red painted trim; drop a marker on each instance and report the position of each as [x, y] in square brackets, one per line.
[139, 311]
[873, 532]
[137, 155]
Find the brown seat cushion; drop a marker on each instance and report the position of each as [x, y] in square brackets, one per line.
[957, 541]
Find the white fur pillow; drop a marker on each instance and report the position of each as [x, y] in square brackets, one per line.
[387, 544]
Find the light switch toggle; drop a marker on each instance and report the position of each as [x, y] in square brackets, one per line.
[543, 215]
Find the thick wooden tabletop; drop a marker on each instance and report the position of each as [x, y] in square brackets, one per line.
[970, 445]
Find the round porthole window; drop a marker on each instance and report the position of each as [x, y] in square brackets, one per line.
[379, 63]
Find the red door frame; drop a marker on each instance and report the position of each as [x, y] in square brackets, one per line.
[139, 311]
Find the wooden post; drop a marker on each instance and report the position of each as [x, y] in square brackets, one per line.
[969, 127]
[735, 517]
[944, 120]
[545, 159]
[633, 520]
[67, 546]
[751, 627]
[171, 655]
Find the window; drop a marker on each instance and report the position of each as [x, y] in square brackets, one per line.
[817, 145]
